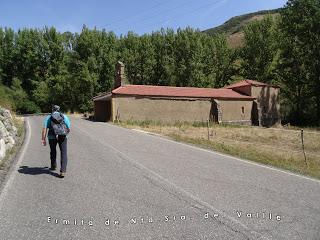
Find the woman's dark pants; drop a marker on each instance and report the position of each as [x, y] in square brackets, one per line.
[62, 141]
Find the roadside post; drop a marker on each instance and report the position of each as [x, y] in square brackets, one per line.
[304, 154]
[208, 129]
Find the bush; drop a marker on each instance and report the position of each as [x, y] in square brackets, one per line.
[27, 106]
[20, 99]
[5, 97]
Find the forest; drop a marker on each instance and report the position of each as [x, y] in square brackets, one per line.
[39, 67]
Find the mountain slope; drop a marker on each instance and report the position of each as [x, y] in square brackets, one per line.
[233, 28]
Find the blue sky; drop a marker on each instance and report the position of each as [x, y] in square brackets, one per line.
[122, 16]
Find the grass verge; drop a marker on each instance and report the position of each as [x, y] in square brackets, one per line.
[19, 124]
[273, 147]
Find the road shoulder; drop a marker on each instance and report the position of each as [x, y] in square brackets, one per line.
[9, 166]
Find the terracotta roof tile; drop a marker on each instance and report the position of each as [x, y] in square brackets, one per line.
[165, 91]
[248, 82]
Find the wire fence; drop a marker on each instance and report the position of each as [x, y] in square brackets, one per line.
[301, 143]
[222, 140]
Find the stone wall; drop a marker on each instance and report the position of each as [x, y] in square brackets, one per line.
[8, 132]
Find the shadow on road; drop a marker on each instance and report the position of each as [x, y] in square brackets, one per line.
[90, 119]
[36, 171]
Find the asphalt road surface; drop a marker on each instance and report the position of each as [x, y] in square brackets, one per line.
[125, 184]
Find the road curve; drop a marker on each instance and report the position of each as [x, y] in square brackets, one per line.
[124, 184]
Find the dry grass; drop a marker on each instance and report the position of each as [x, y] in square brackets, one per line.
[276, 147]
[236, 40]
[19, 124]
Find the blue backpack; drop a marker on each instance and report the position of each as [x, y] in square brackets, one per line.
[58, 125]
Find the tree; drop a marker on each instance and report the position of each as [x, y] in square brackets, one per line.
[219, 61]
[128, 48]
[22, 103]
[1, 55]
[299, 58]
[7, 56]
[164, 68]
[106, 60]
[259, 51]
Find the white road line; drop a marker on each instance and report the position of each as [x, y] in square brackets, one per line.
[160, 179]
[15, 168]
[228, 156]
[150, 133]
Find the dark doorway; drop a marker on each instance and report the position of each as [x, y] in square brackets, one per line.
[255, 114]
[214, 112]
[102, 110]
[108, 111]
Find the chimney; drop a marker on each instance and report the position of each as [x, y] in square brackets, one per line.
[119, 78]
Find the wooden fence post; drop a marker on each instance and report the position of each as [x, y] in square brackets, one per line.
[208, 130]
[304, 154]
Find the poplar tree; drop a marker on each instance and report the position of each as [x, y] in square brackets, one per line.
[259, 51]
[299, 60]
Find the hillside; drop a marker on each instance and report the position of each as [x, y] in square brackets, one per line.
[234, 26]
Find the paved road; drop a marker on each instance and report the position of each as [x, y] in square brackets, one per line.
[124, 184]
